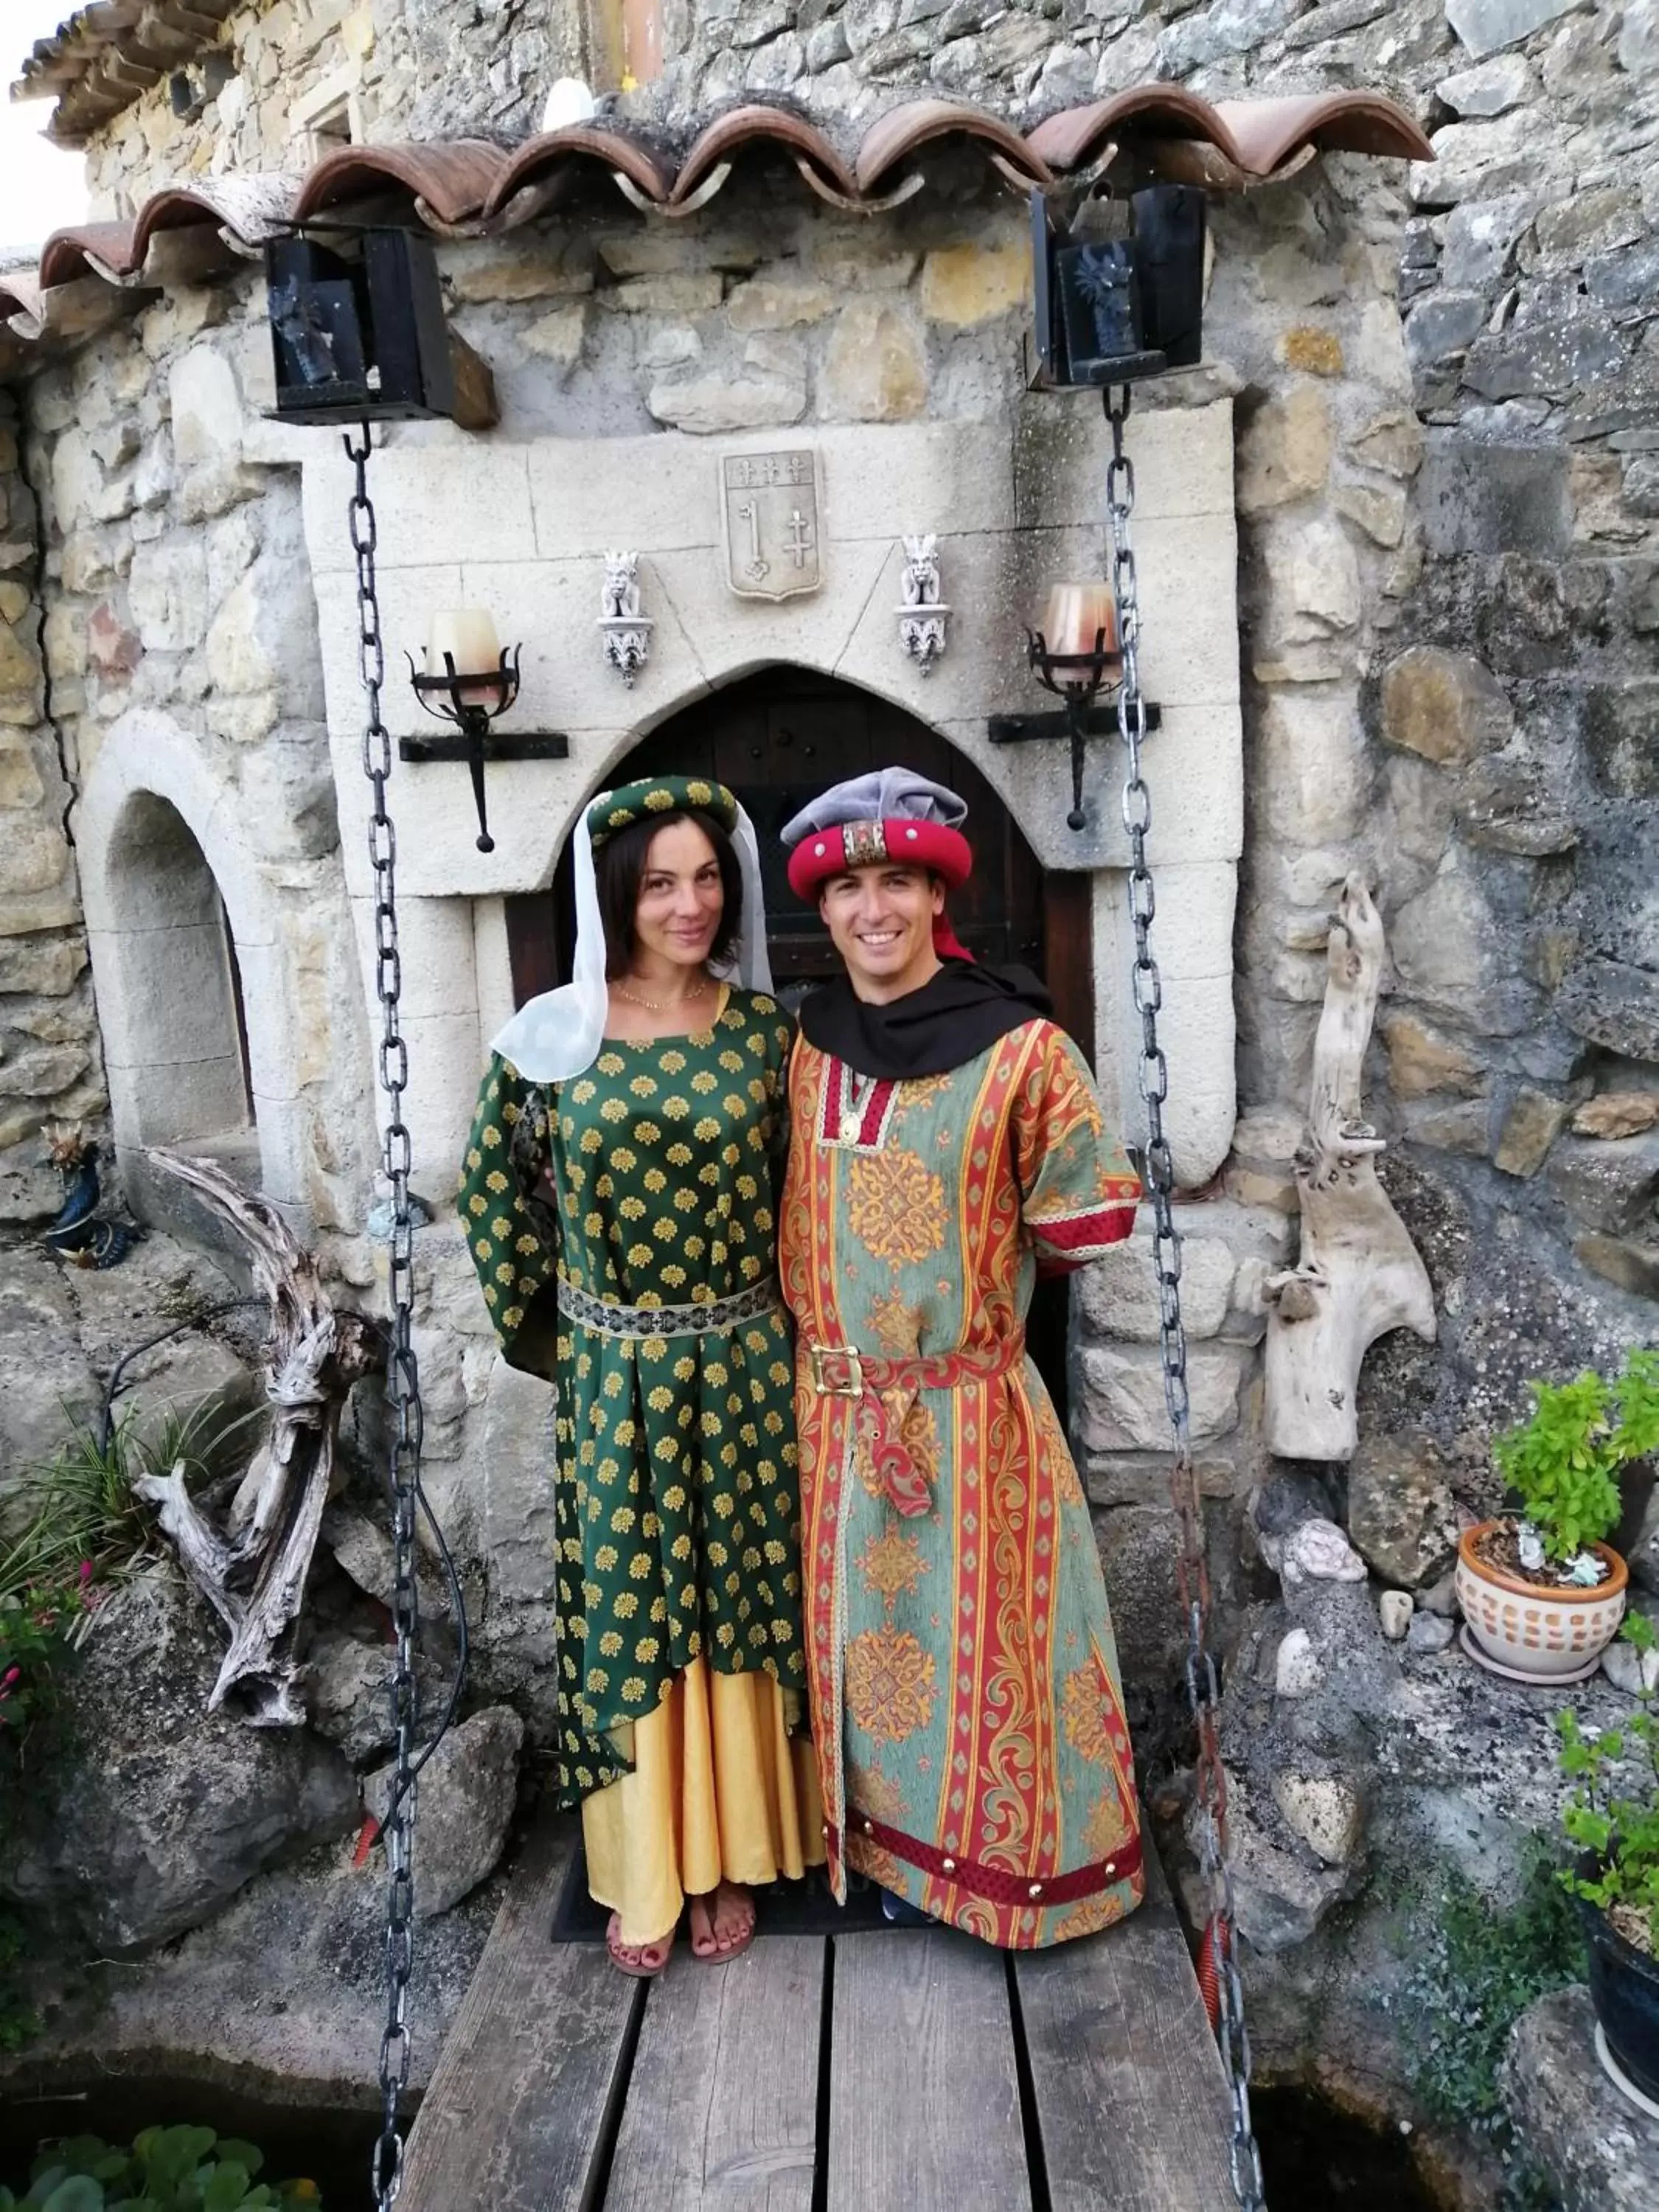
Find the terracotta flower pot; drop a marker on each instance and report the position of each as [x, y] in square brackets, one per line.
[1544, 1633]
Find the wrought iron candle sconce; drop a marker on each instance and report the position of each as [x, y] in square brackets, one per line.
[472, 699]
[471, 681]
[1074, 655]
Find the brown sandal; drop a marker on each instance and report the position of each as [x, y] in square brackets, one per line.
[720, 1953]
[636, 1967]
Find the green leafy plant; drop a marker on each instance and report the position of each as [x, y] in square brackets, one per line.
[1478, 1967]
[1613, 1809]
[20, 2023]
[82, 1502]
[164, 2170]
[1563, 1458]
[38, 1625]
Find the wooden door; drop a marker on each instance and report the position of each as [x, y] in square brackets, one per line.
[779, 738]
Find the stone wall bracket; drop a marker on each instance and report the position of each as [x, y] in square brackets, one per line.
[624, 627]
[924, 617]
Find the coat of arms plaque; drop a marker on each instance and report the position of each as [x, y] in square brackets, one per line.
[769, 505]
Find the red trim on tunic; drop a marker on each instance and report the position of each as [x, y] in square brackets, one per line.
[995, 1884]
[872, 1120]
[1079, 1232]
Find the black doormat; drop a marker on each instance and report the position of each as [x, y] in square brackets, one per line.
[782, 1908]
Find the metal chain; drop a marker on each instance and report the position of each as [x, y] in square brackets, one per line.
[402, 1374]
[1203, 1686]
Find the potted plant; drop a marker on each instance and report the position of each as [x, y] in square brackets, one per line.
[1542, 1591]
[1612, 1815]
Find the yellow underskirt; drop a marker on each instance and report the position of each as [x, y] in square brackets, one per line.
[720, 1791]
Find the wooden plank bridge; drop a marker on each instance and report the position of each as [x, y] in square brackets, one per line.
[899, 2071]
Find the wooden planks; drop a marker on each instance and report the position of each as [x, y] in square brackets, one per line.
[722, 2106]
[519, 2104]
[1129, 2091]
[924, 2096]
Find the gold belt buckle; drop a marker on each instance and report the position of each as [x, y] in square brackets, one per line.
[853, 1386]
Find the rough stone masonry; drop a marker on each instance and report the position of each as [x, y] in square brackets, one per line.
[1445, 386]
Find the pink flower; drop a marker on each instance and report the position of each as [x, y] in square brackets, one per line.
[87, 1572]
[9, 1677]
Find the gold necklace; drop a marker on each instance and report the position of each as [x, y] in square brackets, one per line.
[662, 1006]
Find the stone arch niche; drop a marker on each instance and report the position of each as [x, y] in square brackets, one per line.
[186, 971]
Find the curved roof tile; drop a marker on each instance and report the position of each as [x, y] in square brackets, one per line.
[251, 207]
[756, 124]
[1266, 133]
[67, 253]
[1077, 136]
[453, 177]
[471, 184]
[893, 137]
[541, 157]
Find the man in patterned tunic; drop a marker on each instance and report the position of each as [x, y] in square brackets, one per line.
[946, 1146]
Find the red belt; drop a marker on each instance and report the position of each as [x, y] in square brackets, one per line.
[868, 1377]
[996, 1884]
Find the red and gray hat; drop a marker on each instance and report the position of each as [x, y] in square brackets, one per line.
[891, 816]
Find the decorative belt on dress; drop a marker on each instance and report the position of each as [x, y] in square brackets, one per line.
[610, 1318]
[867, 1379]
[997, 1884]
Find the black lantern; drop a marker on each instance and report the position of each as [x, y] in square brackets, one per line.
[357, 327]
[1110, 311]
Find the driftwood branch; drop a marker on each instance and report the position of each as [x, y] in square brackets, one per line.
[1359, 1273]
[253, 1571]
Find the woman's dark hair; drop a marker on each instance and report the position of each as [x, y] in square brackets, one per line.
[619, 867]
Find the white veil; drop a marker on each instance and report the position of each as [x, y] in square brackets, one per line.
[558, 1034]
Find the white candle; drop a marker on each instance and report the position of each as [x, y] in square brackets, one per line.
[467, 634]
[1075, 617]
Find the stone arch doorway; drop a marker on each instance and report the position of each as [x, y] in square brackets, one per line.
[776, 737]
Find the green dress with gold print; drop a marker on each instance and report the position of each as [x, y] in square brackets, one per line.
[676, 1503]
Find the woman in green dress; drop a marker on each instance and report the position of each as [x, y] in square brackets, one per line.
[621, 1194]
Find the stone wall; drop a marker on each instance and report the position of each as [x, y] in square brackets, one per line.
[49, 1054]
[182, 650]
[1446, 392]
[378, 69]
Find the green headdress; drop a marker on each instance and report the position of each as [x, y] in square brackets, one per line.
[660, 794]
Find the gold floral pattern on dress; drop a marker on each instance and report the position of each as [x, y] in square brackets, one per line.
[889, 1684]
[878, 1795]
[1085, 1710]
[1090, 1916]
[1108, 1827]
[892, 1566]
[897, 1325]
[895, 1207]
[672, 1537]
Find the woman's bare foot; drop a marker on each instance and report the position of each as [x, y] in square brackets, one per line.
[640, 1959]
[722, 1922]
